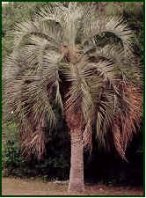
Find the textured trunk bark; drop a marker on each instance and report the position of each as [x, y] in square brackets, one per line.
[76, 180]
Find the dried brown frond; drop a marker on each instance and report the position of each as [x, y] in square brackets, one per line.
[87, 136]
[126, 122]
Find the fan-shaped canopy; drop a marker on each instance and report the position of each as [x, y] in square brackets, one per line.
[58, 60]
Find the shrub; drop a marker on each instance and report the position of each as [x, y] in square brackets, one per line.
[54, 165]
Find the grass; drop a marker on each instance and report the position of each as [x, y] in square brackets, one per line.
[16, 186]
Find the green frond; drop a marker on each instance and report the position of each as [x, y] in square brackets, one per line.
[68, 17]
[58, 98]
[23, 30]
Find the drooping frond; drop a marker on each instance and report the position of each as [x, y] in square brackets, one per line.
[127, 120]
[33, 141]
[119, 114]
[31, 87]
[104, 114]
[109, 67]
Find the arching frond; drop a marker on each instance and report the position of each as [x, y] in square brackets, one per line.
[38, 30]
[109, 52]
[121, 66]
[103, 69]
[69, 17]
[98, 26]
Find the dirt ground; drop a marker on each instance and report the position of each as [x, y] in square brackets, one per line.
[16, 186]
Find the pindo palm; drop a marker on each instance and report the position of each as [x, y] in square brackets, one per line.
[71, 57]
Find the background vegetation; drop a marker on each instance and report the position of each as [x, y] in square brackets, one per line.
[106, 166]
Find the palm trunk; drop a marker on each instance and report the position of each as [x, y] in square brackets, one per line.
[76, 180]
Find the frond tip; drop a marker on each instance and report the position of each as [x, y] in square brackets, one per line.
[32, 137]
[34, 144]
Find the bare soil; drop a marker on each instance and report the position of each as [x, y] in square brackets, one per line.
[16, 186]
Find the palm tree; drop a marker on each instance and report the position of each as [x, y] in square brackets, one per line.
[72, 57]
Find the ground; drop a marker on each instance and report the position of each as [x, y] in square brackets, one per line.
[16, 186]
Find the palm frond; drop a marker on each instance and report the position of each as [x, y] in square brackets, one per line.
[126, 122]
[104, 69]
[34, 142]
[98, 26]
[36, 84]
[53, 12]
[69, 17]
[117, 65]
[30, 104]
[104, 114]
[25, 30]
[79, 96]
[87, 136]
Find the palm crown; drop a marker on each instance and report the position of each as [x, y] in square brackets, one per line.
[59, 59]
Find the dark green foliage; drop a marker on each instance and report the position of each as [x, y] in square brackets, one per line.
[11, 155]
[54, 165]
